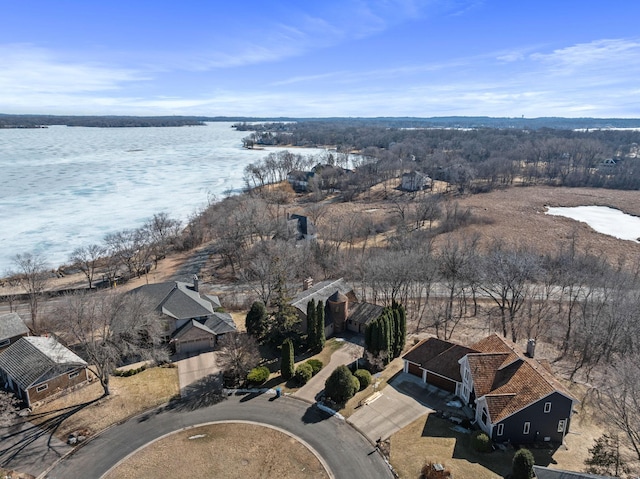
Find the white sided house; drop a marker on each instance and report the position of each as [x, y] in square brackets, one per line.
[514, 397]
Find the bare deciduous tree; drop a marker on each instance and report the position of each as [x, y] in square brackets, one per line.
[111, 328]
[238, 354]
[8, 407]
[86, 259]
[33, 274]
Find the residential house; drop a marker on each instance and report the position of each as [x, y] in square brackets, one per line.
[301, 227]
[548, 473]
[514, 396]
[12, 328]
[37, 368]
[415, 181]
[299, 180]
[343, 311]
[192, 320]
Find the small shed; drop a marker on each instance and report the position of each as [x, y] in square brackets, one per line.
[12, 328]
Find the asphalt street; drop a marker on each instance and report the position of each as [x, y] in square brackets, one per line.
[346, 453]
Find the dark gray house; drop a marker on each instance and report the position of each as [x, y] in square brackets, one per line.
[12, 328]
[192, 321]
[514, 397]
[548, 473]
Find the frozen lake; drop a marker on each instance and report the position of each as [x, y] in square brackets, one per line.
[63, 187]
[603, 219]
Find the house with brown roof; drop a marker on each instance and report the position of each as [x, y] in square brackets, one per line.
[515, 397]
[37, 368]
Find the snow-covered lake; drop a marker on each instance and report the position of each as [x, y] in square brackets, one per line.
[63, 187]
[603, 219]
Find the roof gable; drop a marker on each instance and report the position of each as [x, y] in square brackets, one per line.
[321, 292]
[426, 350]
[12, 325]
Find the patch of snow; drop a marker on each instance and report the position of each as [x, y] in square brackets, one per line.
[197, 436]
[603, 219]
[454, 403]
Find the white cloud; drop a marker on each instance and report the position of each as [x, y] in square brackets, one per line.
[28, 70]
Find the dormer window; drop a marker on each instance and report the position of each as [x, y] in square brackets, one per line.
[547, 407]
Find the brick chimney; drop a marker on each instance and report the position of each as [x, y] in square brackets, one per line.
[531, 348]
[307, 283]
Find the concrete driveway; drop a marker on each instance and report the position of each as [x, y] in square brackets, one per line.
[345, 355]
[390, 412]
[195, 368]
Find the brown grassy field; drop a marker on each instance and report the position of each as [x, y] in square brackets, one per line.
[129, 396]
[237, 451]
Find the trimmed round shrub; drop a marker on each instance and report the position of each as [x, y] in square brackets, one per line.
[304, 372]
[364, 377]
[316, 365]
[480, 442]
[258, 375]
[341, 385]
[522, 466]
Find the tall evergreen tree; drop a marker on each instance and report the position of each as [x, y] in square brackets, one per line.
[320, 337]
[287, 364]
[312, 332]
[256, 320]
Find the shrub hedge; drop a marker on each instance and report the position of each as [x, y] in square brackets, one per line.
[258, 375]
[364, 377]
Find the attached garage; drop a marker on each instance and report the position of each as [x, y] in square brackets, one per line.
[414, 369]
[441, 382]
[194, 338]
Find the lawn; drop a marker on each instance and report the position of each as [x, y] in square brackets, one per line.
[432, 439]
[86, 409]
[235, 450]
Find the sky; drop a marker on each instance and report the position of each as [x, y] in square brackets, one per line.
[327, 58]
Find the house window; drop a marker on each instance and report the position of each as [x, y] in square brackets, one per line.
[527, 426]
[547, 407]
[500, 430]
[466, 375]
[484, 417]
[561, 425]
[42, 387]
[5, 342]
[74, 374]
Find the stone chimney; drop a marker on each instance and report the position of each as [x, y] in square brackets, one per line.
[196, 283]
[531, 348]
[307, 283]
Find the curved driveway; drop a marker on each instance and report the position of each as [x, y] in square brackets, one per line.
[345, 451]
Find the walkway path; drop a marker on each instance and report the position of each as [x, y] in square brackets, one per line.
[346, 452]
[345, 355]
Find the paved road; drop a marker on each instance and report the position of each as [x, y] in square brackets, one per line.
[345, 451]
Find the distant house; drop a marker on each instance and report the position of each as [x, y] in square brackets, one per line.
[38, 368]
[12, 328]
[299, 180]
[415, 181]
[192, 323]
[301, 227]
[342, 309]
[515, 397]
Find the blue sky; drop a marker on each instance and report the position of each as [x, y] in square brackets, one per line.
[572, 58]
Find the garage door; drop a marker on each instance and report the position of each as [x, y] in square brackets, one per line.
[194, 347]
[441, 382]
[415, 370]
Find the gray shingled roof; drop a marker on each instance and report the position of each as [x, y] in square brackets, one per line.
[221, 323]
[192, 324]
[364, 313]
[177, 300]
[320, 292]
[546, 473]
[35, 359]
[12, 325]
